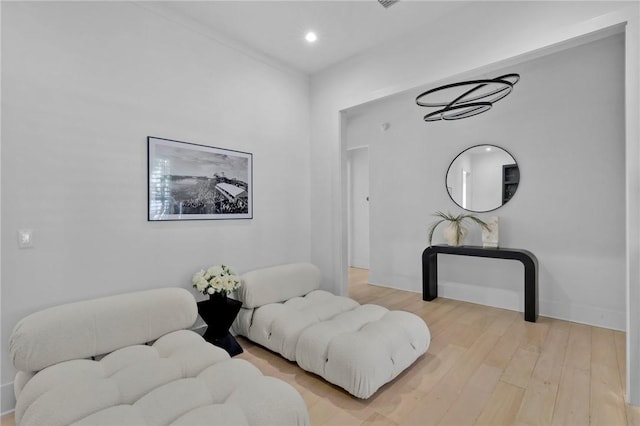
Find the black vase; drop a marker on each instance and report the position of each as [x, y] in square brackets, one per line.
[221, 297]
[218, 312]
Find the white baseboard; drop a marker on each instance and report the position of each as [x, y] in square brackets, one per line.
[583, 314]
[360, 263]
[7, 399]
[402, 282]
[496, 297]
[514, 300]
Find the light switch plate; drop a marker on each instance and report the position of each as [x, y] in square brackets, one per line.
[25, 238]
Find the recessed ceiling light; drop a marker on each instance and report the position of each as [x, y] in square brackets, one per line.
[311, 37]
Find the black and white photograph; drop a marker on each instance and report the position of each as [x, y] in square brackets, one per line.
[189, 181]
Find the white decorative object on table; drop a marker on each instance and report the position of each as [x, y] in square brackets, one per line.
[454, 233]
[490, 235]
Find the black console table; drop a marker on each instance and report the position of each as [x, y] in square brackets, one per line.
[528, 259]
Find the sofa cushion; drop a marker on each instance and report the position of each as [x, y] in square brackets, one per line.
[277, 326]
[277, 284]
[94, 327]
[180, 379]
[357, 347]
[363, 349]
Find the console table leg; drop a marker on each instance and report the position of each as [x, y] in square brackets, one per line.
[429, 277]
[530, 292]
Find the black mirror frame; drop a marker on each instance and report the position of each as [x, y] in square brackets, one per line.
[462, 152]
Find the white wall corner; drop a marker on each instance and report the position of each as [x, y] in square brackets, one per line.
[632, 156]
[4, 405]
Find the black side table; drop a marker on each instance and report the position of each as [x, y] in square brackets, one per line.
[219, 312]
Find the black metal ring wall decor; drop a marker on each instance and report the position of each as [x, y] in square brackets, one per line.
[475, 100]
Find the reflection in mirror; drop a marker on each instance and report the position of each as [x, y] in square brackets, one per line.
[482, 178]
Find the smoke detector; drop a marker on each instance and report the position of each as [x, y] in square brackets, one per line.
[387, 3]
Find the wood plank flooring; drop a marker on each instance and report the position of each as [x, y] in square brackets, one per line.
[485, 366]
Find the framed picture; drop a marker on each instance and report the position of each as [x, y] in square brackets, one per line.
[189, 181]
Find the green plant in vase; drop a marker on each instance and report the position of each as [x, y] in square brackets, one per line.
[455, 232]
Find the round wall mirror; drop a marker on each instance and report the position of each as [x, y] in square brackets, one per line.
[482, 178]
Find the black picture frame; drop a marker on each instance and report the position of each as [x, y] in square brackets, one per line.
[188, 181]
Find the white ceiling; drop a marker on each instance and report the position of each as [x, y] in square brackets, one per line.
[345, 28]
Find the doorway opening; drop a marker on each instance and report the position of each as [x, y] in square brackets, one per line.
[358, 207]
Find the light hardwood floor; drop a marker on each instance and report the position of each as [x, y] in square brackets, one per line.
[485, 366]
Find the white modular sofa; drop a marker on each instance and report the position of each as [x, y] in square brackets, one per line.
[154, 371]
[357, 347]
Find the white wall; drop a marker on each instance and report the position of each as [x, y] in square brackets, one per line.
[359, 208]
[485, 33]
[564, 122]
[83, 85]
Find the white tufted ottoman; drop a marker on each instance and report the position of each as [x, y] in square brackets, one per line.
[179, 379]
[357, 347]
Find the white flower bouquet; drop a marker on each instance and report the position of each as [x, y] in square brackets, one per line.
[216, 279]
